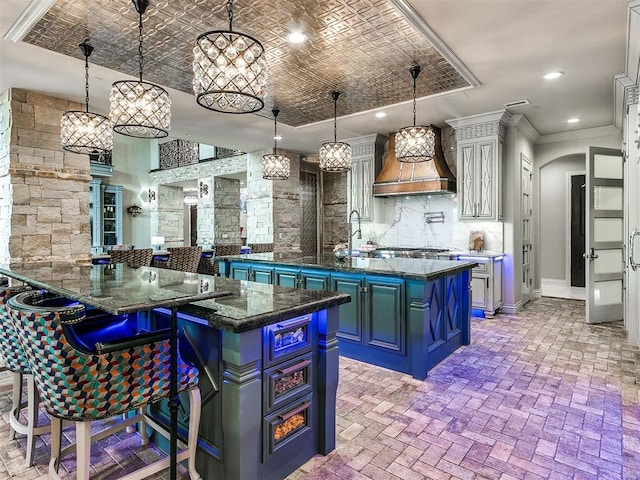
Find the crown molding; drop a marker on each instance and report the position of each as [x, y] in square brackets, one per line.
[27, 19]
[579, 134]
[524, 125]
[408, 12]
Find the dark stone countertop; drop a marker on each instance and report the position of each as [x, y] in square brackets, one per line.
[117, 288]
[408, 268]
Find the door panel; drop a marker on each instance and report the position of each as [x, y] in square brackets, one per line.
[350, 313]
[577, 230]
[385, 309]
[526, 209]
[604, 235]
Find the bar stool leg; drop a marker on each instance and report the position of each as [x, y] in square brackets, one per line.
[16, 401]
[142, 427]
[56, 437]
[195, 407]
[83, 450]
[33, 403]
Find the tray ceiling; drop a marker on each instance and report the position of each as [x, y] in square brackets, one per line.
[362, 48]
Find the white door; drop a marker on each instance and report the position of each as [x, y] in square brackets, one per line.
[526, 179]
[604, 235]
[632, 214]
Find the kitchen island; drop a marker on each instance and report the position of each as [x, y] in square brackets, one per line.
[405, 314]
[267, 357]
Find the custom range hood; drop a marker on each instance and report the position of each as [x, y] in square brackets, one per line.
[397, 178]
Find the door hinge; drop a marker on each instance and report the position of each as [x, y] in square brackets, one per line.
[364, 289]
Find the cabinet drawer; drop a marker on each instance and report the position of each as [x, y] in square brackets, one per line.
[286, 339]
[287, 427]
[287, 381]
[481, 268]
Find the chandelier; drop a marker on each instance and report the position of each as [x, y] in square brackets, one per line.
[86, 132]
[140, 109]
[275, 167]
[229, 70]
[416, 143]
[335, 156]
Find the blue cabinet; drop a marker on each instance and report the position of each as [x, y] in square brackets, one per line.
[105, 212]
[286, 277]
[251, 272]
[314, 280]
[350, 327]
[384, 313]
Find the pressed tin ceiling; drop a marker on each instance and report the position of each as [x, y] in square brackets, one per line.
[362, 48]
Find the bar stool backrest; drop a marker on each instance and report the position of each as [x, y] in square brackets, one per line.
[185, 259]
[80, 386]
[10, 348]
[139, 258]
[261, 247]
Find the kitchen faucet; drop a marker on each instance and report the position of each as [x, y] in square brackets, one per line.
[351, 234]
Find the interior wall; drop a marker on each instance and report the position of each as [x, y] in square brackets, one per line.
[554, 215]
[132, 160]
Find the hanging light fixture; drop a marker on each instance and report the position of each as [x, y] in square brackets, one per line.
[335, 156]
[274, 166]
[86, 132]
[416, 143]
[140, 109]
[229, 70]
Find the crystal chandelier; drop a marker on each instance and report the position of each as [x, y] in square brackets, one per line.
[86, 132]
[274, 166]
[335, 156]
[229, 70]
[416, 143]
[140, 109]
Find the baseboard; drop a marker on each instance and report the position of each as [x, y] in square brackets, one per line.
[511, 309]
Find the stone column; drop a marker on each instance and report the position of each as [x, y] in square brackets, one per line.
[169, 215]
[44, 191]
[336, 228]
[226, 211]
[273, 206]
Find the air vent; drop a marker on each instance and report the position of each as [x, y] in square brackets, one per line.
[517, 103]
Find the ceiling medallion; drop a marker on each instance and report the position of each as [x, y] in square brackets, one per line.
[335, 156]
[86, 132]
[140, 109]
[415, 143]
[274, 166]
[229, 70]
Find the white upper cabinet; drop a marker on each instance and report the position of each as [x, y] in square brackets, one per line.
[480, 152]
[366, 160]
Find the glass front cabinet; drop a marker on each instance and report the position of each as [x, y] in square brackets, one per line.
[105, 210]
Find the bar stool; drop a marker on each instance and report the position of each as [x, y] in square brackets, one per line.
[15, 361]
[85, 374]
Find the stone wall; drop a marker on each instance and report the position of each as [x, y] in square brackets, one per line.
[167, 215]
[336, 229]
[273, 206]
[226, 211]
[44, 191]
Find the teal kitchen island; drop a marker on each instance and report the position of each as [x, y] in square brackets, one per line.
[267, 358]
[405, 314]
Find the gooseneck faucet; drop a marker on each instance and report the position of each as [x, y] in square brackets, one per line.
[358, 231]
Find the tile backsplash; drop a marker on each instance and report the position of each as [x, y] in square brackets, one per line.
[404, 223]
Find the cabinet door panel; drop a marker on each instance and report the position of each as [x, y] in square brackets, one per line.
[435, 317]
[366, 188]
[486, 178]
[239, 271]
[262, 275]
[312, 280]
[452, 295]
[350, 313]
[286, 277]
[385, 313]
[479, 291]
[466, 188]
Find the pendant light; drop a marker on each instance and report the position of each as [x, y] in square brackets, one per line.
[416, 143]
[140, 109]
[229, 70]
[275, 167]
[86, 132]
[335, 156]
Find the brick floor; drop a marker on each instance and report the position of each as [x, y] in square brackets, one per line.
[536, 395]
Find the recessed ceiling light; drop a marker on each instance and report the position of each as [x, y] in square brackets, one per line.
[552, 75]
[380, 114]
[573, 120]
[296, 37]
[277, 137]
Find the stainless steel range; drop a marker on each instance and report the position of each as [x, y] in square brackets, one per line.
[407, 252]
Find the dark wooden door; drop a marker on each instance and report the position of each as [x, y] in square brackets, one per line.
[577, 230]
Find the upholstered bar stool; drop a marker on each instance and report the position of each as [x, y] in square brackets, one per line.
[15, 361]
[84, 374]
